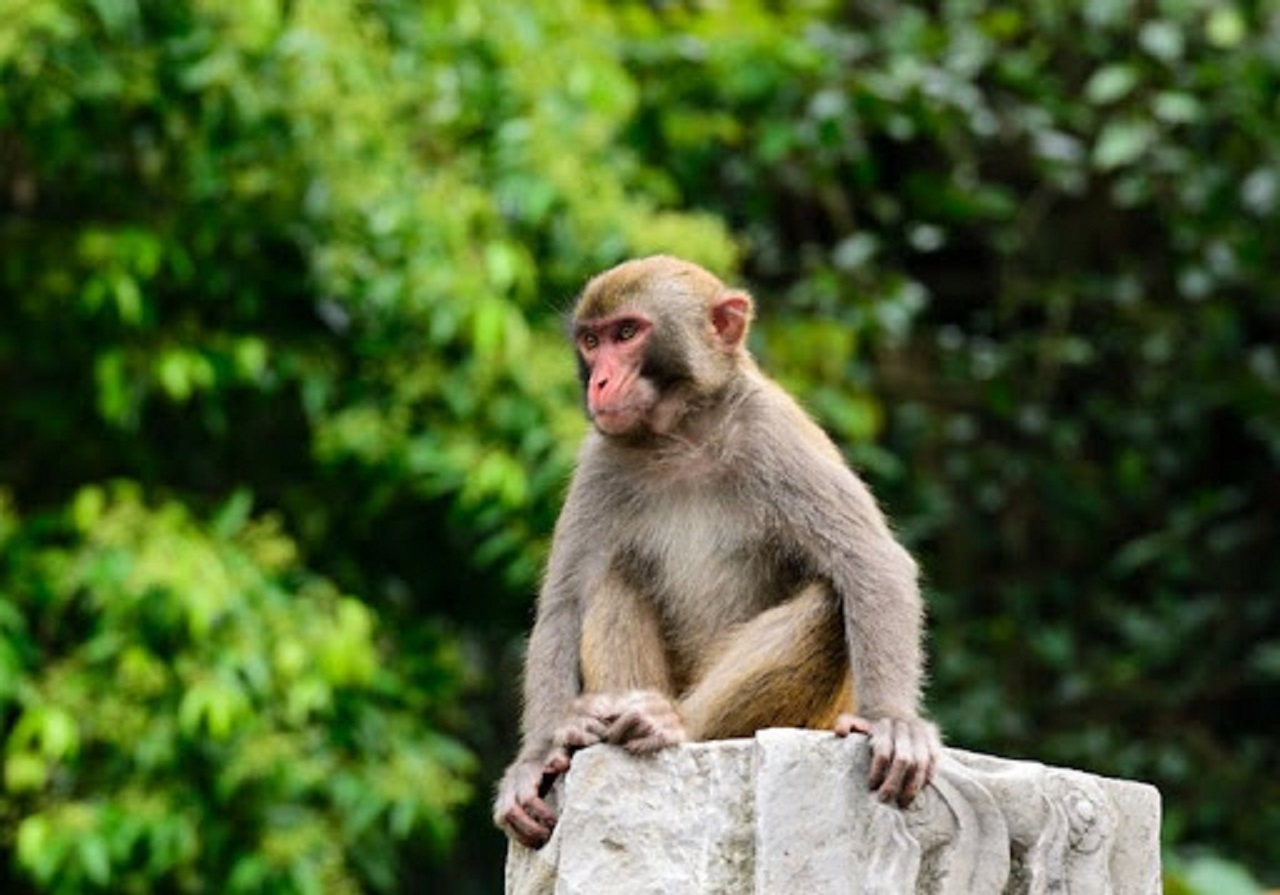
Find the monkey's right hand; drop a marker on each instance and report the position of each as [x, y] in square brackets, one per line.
[519, 808]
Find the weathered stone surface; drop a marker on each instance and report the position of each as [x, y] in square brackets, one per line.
[789, 812]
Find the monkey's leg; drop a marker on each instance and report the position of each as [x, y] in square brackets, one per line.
[628, 695]
[787, 667]
[622, 643]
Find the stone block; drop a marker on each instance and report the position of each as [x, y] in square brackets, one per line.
[789, 812]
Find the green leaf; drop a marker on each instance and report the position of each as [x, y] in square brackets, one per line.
[234, 513]
[174, 372]
[94, 858]
[114, 391]
[1122, 142]
[39, 850]
[59, 735]
[1111, 83]
[251, 354]
[1225, 27]
[1162, 39]
[1176, 108]
[25, 772]
[88, 507]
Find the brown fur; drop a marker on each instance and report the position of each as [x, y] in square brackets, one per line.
[723, 556]
[635, 281]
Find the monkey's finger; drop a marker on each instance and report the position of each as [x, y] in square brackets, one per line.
[917, 771]
[581, 732]
[540, 812]
[657, 738]
[580, 736]
[528, 830]
[894, 779]
[629, 725]
[645, 745]
[847, 724]
[927, 747]
[881, 742]
[886, 757]
[915, 783]
[557, 764]
[902, 763]
[579, 725]
[912, 784]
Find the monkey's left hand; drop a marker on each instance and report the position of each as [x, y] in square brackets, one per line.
[904, 753]
[640, 721]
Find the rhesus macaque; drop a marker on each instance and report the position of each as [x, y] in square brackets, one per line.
[717, 568]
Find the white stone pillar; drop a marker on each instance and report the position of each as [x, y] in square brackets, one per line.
[789, 813]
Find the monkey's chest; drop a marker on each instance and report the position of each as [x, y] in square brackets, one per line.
[708, 565]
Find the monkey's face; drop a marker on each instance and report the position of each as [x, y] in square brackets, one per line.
[612, 354]
[654, 336]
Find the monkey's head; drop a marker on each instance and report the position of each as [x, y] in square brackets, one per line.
[653, 336]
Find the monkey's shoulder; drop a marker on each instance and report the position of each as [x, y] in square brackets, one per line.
[779, 430]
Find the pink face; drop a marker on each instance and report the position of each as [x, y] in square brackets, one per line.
[612, 350]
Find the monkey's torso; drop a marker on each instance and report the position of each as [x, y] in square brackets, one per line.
[708, 548]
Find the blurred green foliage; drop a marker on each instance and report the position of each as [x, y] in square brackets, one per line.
[191, 709]
[1054, 230]
[287, 412]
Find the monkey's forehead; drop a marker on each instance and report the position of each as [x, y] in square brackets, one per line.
[643, 281]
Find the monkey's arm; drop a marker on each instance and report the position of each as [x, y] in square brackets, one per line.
[551, 684]
[876, 581]
[829, 514]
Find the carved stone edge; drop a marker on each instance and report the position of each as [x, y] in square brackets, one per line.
[986, 825]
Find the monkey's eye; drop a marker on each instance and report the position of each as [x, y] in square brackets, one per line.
[627, 330]
[590, 341]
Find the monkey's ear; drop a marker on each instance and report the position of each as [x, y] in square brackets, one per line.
[730, 317]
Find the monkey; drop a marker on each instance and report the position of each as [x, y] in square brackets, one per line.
[716, 568]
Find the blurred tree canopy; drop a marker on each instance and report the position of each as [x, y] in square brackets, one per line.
[288, 413]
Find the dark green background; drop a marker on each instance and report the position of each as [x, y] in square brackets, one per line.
[286, 413]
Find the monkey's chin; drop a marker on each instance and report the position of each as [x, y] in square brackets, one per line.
[619, 421]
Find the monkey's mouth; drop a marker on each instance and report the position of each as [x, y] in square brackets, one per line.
[617, 420]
